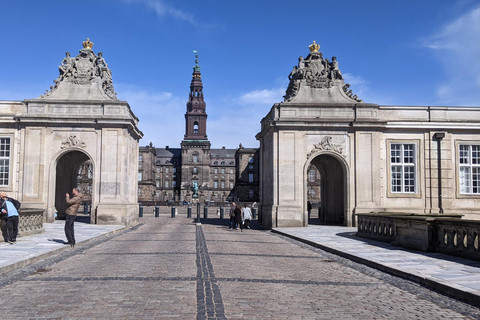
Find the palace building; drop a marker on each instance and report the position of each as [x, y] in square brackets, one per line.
[167, 175]
[372, 159]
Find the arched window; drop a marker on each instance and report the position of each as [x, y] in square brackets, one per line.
[222, 163]
[195, 127]
[195, 157]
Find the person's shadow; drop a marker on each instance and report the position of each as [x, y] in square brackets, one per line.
[57, 240]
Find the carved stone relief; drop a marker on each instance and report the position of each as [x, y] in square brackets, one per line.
[326, 144]
[73, 141]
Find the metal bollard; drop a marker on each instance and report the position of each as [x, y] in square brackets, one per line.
[221, 212]
[140, 212]
[254, 213]
[198, 212]
[205, 212]
[85, 208]
[172, 214]
[189, 212]
[157, 212]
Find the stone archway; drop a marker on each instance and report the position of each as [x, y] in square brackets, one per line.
[66, 177]
[333, 189]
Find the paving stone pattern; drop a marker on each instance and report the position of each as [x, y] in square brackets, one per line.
[171, 268]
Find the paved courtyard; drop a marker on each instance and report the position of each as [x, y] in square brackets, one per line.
[168, 268]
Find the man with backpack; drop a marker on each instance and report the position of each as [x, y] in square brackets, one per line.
[9, 209]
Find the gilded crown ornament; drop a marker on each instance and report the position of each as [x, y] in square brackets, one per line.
[314, 47]
[89, 44]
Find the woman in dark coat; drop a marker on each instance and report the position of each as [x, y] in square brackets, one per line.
[238, 217]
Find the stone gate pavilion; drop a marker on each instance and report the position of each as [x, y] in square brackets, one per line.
[44, 142]
[372, 158]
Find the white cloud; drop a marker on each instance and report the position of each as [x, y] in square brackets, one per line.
[457, 46]
[241, 122]
[164, 10]
[161, 115]
[264, 96]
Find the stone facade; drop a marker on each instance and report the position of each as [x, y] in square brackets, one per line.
[46, 140]
[372, 158]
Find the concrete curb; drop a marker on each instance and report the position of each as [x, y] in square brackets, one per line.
[470, 297]
[31, 260]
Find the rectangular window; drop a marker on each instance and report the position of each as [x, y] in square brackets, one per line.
[215, 184]
[140, 157]
[250, 159]
[222, 184]
[250, 177]
[469, 166]
[4, 161]
[140, 176]
[195, 158]
[167, 170]
[231, 185]
[195, 170]
[166, 183]
[174, 184]
[158, 183]
[403, 168]
[215, 170]
[222, 170]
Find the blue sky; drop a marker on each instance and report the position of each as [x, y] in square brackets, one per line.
[396, 52]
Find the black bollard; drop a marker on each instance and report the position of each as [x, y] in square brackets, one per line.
[85, 208]
[221, 212]
[173, 212]
[140, 212]
[205, 212]
[189, 212]
[254, 213]
[198, 212]
[157, 212]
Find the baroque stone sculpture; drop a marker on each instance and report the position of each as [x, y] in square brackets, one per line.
[85, 69]
[315, 72]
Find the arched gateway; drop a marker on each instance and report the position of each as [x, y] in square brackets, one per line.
[333, 189]
[372, 159]
[78, 125]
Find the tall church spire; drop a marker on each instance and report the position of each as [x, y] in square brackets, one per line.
[196, 116]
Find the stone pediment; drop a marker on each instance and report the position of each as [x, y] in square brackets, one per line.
[85, 77]
[318, 80]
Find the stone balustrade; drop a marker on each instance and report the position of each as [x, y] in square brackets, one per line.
[448, 234]
[31, 222]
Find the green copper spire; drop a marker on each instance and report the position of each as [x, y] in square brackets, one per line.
[197, 67]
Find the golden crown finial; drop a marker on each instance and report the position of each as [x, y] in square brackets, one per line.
[87, 44]
[314, 47]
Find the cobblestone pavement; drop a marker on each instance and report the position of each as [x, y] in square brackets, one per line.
[168, 268]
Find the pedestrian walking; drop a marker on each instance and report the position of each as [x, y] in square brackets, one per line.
[309, 209]
[238, 217]
[9, 209]
[73, 204]
[232, 216]
[247, 216]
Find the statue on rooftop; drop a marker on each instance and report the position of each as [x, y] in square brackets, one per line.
[316, 72]
[84, 70]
